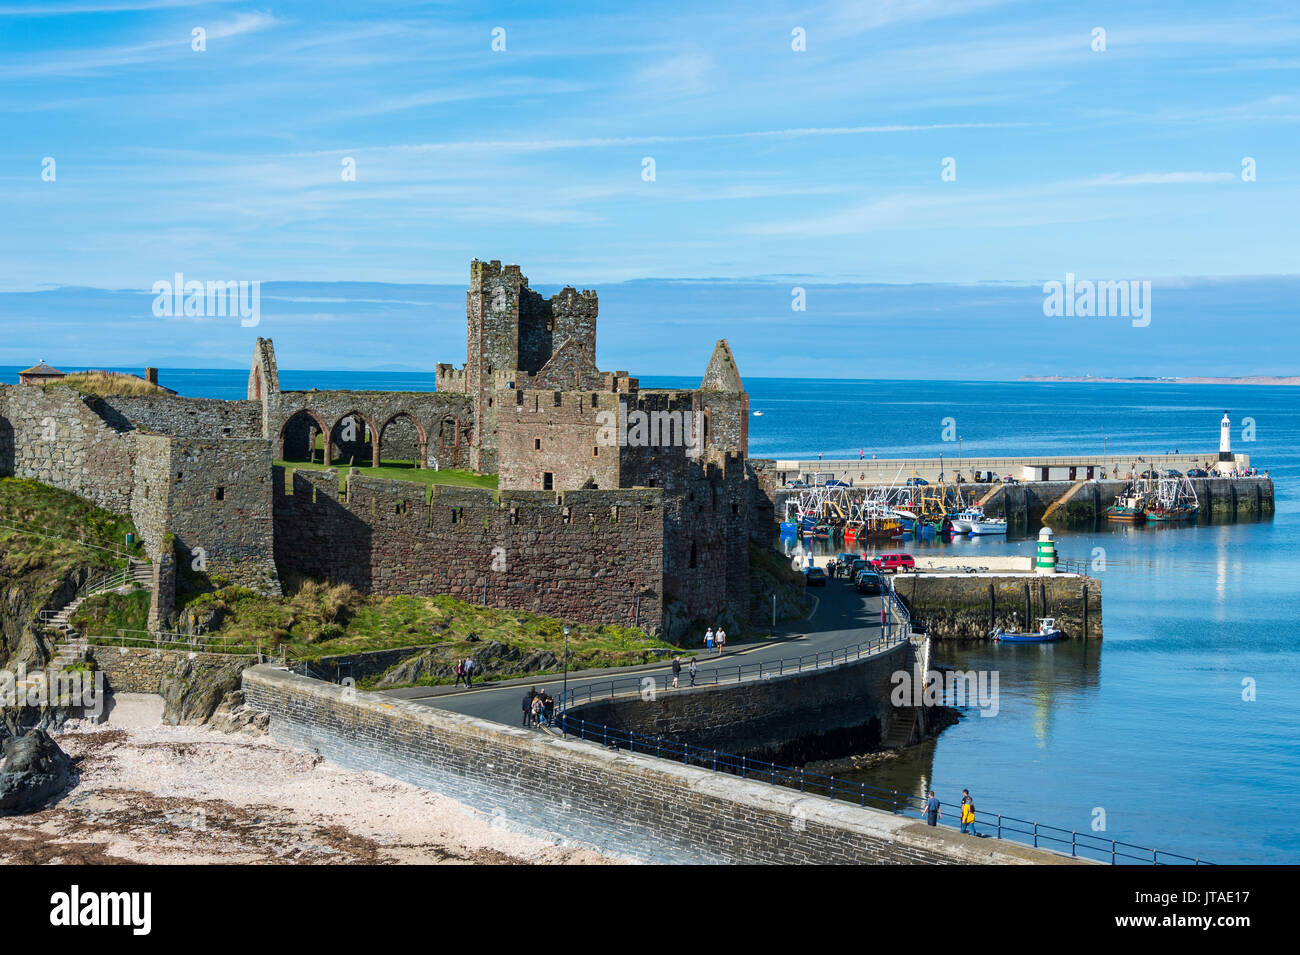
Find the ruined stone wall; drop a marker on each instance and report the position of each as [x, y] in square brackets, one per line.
[555, 433]
[56, 438]
[151, 486]
[220, 499]
[402, 420]
[584, 555]
[172, 414]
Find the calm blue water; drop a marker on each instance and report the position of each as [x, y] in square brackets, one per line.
[1149, 724]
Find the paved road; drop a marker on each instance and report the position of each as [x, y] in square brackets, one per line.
[841, 619]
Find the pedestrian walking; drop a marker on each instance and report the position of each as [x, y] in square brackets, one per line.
[536, 711]
[528, 704]
[469, 672]
[967, 812]
[460, 671]
[708, 639]
[720, 638]
[548, 709]
[677, 670]
[692, 671]
[933, 811]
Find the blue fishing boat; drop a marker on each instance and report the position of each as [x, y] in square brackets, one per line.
[1046, 633]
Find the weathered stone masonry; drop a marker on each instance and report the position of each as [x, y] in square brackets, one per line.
[593, 555]
[631, 805]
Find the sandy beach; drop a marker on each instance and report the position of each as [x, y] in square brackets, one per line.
[183, 794]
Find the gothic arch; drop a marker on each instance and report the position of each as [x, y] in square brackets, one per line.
[294, 445]
[422, 438]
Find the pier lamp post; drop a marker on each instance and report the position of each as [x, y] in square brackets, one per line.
[565, 693]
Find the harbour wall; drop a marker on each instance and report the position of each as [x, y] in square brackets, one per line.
[958, 607]
[898, 470]
[632, 805]
[1083, 503]
[792, 719]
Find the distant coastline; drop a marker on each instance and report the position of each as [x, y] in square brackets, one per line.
[1189, 380]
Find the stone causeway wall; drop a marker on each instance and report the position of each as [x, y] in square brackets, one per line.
[632, 805]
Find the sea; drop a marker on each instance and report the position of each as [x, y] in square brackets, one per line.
[1180, 729]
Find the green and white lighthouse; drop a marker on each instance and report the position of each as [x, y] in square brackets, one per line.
[1046, 560]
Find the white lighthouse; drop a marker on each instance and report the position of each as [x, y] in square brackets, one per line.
[1225, 438]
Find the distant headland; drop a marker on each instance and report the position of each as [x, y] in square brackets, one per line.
[1190, 380]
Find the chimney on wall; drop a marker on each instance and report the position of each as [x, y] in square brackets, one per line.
[151, 375]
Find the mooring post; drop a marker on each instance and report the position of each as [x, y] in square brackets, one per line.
[1085, 611]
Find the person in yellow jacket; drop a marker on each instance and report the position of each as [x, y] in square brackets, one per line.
[967, 812]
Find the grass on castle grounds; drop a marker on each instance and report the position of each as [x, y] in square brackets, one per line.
[316, 619]
[52, 533]
[397, 471]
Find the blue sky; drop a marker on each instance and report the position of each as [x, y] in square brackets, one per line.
[817, 167]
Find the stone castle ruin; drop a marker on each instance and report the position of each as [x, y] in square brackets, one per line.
[616, 503]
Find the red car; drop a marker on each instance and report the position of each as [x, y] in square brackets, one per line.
[893, 563]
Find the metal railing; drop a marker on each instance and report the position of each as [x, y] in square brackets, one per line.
[169, 640]
[1083, 845]
[895, 632]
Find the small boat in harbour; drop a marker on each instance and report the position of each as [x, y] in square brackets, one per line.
[1130, 507]
[1046, 633]
[987, 526]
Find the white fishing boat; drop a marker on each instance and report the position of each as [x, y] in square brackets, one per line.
[961, 521]
[1047, 632]
[983, 526]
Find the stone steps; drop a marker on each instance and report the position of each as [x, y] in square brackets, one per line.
[902, 722]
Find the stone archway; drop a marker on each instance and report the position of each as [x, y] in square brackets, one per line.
[355, 438]
[297, 438]
[403, 438]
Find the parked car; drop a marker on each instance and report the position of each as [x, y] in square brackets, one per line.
[834, 483]
[1173, 472]
[893, 563]
[1197, 472]
[1009, 480]
[869, 583]
[917, 482]
[814, 577]
[795, 484]
[1150, 474]
[858, 566]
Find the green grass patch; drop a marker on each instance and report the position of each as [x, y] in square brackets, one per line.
[397, 471]
[106, 383]
[105, 614]
[51, 533]
[318, 619]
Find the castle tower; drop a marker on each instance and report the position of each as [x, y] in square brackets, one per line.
[492, 343]
[726, 405]
[263, 376]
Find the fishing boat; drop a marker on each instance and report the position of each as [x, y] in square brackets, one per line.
[1130, 507]
[987, 526]
[1172, 500]
[1046, 633]
[961, 521]
[1160, 514]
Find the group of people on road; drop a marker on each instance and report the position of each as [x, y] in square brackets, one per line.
[465, 671]
[933, 812]
[715, 639]
[539, 708]
[691, 669]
